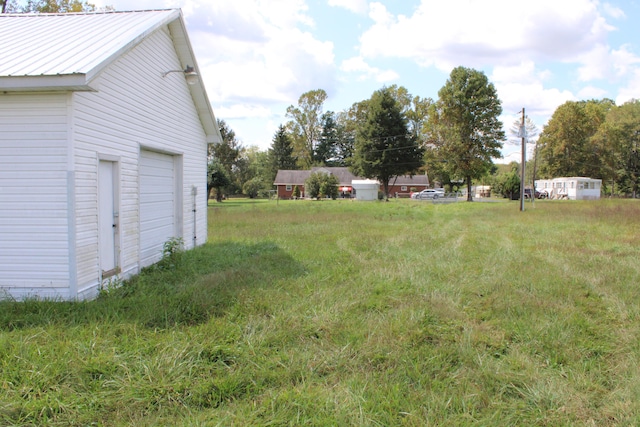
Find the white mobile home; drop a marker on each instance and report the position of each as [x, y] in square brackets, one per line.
[104, 126]
[573, 188]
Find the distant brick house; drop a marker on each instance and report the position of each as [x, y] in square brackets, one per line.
[287, 180]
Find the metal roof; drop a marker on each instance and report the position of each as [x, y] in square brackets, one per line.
[71, 43]
[65, 51]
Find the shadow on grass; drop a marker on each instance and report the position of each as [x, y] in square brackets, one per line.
[186, 289]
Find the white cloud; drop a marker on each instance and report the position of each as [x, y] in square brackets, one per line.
[631, 90]
[624, 62]
[522, 85]
[379, 14]
[258, 50]
[613, 11]
[596, 64]
[356, 6]
[474, 33]
[236, 111]
[592, 92]
[357, 65]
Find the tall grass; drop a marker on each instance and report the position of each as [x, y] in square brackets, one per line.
[347, 313]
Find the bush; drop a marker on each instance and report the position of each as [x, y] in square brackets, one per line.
[321, 184]
[252, 187]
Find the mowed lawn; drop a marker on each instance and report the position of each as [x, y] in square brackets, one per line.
[340, 313]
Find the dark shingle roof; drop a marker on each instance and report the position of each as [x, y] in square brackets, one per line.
[344, 175]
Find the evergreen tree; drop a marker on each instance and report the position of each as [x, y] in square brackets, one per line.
[281, 152]
[326, 149]
[384, 148]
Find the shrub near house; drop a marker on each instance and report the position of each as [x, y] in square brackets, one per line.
[320, 185]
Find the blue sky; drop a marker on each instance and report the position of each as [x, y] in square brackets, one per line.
[257, 57]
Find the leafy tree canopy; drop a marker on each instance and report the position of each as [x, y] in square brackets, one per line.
[50, 6]
[464, 127]
[617, 144]
[565, 146]
[305, 124]
[218, 179]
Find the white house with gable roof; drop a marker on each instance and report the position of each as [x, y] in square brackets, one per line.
[103, 148]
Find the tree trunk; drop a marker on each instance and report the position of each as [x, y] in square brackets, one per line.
[469, 195]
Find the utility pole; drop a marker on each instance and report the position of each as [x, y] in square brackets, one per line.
[523, 134]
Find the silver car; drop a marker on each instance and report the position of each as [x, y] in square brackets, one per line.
[430, 193]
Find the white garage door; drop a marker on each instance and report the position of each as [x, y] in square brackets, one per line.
[157, 204]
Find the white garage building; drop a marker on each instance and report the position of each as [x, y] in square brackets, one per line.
[104, 126]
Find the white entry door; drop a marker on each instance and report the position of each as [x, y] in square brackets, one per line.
[107, 218]
[157, 204]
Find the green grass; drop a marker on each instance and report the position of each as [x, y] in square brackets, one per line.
[339, 313]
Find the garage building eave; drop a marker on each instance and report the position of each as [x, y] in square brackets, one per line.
[68, 82]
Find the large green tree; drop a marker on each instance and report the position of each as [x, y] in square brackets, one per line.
[228, 154]
[617, 145]
[464, 129]
[566, 147]
[384, 147]
[305, 125]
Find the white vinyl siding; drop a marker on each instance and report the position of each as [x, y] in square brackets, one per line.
[34, 245]
[135, 108]
[51, 145]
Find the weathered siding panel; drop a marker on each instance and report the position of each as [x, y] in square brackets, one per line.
[34, 244]
[135, 108]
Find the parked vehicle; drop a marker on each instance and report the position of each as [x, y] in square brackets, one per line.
[538, 194]
[430, 193]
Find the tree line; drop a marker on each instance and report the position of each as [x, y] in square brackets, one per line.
[393, 133]
[49, 6]
[595, 139]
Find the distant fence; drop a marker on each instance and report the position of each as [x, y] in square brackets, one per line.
[448, 198]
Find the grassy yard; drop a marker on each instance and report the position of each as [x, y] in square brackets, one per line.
[339, 313]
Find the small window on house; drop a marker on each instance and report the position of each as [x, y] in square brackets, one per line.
[289, 187]
[403, 188]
